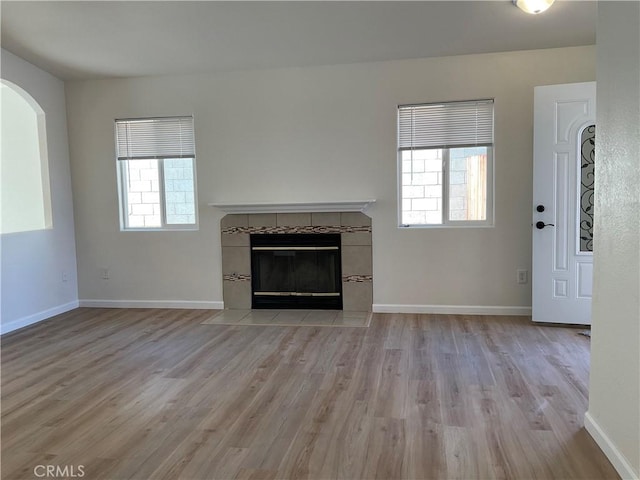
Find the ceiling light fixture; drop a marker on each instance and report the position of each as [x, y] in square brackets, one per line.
[533, 6]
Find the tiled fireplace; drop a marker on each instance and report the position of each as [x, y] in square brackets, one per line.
[355, 238]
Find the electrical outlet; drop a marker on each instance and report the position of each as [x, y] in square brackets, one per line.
[65, 277]
[104, 273]
[522, 276]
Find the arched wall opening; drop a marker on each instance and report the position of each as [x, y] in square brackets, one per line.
[25, 193]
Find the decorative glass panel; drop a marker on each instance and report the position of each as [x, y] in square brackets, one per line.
[587, 176]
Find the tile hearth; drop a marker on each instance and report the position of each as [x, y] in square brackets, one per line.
[299, 318]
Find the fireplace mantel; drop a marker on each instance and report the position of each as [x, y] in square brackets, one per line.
[344, 206]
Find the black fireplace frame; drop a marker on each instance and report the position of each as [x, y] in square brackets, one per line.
[303, 300]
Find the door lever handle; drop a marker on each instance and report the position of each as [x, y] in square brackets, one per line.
[541, 225]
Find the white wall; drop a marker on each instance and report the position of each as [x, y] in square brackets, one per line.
[614, 387]
[314, 134]
[33, 262]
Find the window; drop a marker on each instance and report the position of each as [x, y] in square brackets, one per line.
[445, 163]
[25, 193]
[156, 173]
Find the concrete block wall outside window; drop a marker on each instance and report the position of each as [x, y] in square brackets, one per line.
[467, 183]
[143, 194]
[422, 186]
[179, 191]
[144, 199]
[423, 173]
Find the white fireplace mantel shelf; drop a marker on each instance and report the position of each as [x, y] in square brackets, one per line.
[346, 206]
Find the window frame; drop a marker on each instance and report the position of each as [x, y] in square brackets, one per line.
[123, 193]
[488, 222]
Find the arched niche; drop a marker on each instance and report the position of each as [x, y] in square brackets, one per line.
[25, 193]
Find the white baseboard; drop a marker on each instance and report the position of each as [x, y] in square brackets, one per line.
[452, 309]
[152, 304]
[37, 317]
[617, 459]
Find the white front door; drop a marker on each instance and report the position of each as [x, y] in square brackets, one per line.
[564, 131]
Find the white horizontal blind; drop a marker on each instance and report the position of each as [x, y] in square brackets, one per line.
[146, 138]
[444, 125]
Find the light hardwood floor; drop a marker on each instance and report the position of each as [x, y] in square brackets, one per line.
[155, 394]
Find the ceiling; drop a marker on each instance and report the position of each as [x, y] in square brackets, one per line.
[89, 39]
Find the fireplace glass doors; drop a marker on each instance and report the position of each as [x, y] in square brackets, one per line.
[296, 271]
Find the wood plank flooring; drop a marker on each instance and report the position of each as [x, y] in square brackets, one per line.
[155, 394]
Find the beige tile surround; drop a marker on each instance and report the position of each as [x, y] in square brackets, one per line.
[355, 234]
